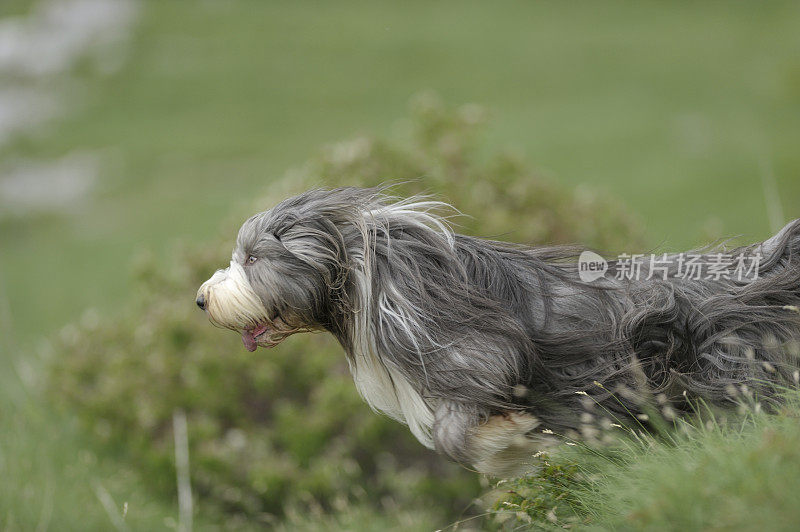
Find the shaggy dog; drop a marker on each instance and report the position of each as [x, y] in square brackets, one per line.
[485, 349]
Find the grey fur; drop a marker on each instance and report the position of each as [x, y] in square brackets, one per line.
[481, 328]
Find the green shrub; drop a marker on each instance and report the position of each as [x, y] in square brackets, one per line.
[544, 498]
[283, 433]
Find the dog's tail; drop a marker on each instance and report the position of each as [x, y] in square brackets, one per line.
[785, 243]
[780, 266]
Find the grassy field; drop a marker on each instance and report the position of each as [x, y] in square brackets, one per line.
[728, 473]
[681, 110]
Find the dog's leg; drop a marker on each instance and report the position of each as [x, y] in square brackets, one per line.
[503, 445]
[498, 445]
[452, 427]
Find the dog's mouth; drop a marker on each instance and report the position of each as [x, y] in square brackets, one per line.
[269, 333]
[264, 334]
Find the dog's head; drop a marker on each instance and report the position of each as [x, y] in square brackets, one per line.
[288, 268]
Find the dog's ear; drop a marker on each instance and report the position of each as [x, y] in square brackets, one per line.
[319, 245]
[283, 223]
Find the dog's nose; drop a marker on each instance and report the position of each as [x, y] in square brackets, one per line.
[201, 302]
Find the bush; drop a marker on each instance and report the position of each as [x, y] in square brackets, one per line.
[283, 433]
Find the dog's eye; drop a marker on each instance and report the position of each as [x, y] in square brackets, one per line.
[251, 259]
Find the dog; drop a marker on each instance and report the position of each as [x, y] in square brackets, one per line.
[490, 351]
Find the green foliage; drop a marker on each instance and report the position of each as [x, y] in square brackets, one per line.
[215, 96]
[739, 476]
[727, 472]
[282, 433]
[543, 498]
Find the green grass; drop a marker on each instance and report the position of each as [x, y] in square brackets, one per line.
[720, 480]
[671, 107]
[741, 474]
[51, 478]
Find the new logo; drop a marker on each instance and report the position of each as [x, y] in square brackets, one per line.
[591, 266]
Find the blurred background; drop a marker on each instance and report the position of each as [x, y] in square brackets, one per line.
[136, 135]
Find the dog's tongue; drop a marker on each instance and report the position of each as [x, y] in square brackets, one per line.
[249, 340]
[249, 336]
